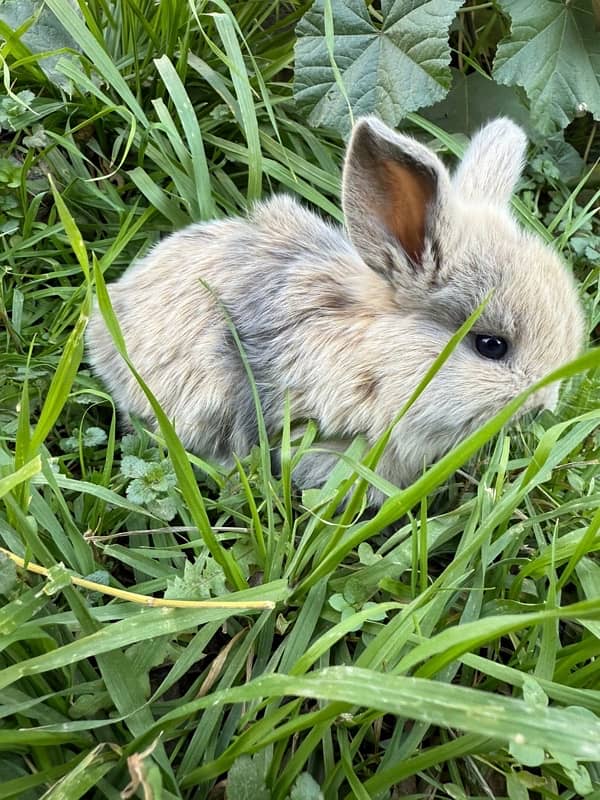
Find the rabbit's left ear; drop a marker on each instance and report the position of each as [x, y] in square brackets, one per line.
[493, 163]
[393, 188]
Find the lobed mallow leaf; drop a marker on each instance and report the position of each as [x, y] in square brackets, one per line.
[201, 579]
[246, 779]
[553, 52]
[389, 68]
[44, 34]
[306, 788]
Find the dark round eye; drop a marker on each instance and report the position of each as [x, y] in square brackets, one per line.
[491, 346]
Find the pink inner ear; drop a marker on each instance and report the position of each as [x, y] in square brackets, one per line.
[404, 203]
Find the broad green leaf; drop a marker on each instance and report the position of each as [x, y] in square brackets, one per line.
[43, 33]
[306, 788]
[389, 69]
[473, 100]
[202, 579]
[246, 779]
[553, 52]
[528, 754]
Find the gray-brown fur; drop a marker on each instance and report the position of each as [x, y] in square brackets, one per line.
[349, 324]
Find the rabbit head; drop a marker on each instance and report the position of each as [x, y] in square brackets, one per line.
[444, 243]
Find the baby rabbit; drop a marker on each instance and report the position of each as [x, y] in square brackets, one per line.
[347, 323]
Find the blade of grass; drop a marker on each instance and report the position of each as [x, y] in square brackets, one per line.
[447, 705]
[158, 198]
[244, 94]
[145, 625]
[66, 15]
[205, 204]
[24, 473]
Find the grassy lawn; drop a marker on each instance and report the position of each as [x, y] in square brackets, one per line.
[445, 645]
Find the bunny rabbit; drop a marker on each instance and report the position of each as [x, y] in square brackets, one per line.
[348, 323]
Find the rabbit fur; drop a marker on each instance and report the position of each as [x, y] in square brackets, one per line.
[348, 322]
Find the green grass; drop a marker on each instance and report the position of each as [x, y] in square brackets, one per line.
[445, 646]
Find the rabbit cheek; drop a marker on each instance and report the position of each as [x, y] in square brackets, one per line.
[471, 392]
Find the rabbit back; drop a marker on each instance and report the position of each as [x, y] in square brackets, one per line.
[282, 275]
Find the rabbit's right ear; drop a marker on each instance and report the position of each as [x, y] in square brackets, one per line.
[393, 189]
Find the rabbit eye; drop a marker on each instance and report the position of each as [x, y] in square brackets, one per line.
[491, 346]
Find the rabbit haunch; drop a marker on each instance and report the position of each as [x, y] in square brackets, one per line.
[347, 324]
